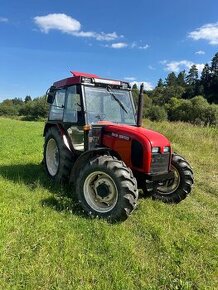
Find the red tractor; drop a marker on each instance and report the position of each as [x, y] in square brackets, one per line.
[94, 140]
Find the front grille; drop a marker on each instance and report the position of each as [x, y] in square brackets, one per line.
[137, 154]
[160, 163]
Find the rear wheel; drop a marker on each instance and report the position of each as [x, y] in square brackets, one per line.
[177, 188]
[107, 188]
[58, 158]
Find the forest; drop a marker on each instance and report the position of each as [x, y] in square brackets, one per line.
[188, 96]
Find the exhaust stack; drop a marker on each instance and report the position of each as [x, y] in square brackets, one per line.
[140, 106]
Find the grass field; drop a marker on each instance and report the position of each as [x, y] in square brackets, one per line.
[47, 243]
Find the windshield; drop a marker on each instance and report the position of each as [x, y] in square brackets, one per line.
[104, 104]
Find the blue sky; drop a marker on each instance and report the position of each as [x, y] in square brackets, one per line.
[41, 40]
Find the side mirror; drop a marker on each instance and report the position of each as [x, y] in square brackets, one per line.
[51, 95]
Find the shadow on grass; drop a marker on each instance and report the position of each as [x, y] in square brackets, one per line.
[33, 176]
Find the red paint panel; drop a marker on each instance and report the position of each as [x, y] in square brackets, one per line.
[113, 138]
[81, 74]
[122, 147]
[67, 82]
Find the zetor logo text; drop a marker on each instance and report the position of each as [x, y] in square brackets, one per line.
[120, 136]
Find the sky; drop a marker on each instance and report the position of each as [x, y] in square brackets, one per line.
[41, 41]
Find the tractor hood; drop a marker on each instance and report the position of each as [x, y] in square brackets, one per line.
[134, 145]
[141, 134]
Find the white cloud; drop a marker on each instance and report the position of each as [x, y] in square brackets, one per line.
[69, 25]
[200, 52]
[132, 45]
[135, 45]
[207, 32]
[130, 79]
[200, 67]
[151, 67]
[119, 45]
[57, 21]
[177, 66]
[147, 85]
[3, 19]
[144, 46]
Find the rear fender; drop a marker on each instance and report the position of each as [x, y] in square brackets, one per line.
[64, 134]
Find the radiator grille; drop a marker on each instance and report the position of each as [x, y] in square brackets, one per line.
[160, 163]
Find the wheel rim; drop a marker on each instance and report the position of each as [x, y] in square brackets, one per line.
[52, 157]
[100, 192]
[171, 185]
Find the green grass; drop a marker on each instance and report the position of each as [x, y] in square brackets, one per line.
[47, 243]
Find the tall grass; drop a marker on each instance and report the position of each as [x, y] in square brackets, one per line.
[47, 243]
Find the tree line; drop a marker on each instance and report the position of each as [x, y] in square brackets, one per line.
[29, 109]
[187, 97]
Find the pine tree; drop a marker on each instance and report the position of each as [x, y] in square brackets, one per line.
[160, 83]
[192, 83]
[214, 80]
[181, 79]
[214, 65]
[206, 78]
[192, 76]
[27, 99]
[171, 79]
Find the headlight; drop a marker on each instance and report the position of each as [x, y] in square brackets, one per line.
[166, 149]
[155, 149]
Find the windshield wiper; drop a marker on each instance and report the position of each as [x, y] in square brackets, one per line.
[116, 99]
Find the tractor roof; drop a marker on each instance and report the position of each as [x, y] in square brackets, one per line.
[87, 78]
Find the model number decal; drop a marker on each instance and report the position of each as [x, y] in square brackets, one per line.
[120, 136]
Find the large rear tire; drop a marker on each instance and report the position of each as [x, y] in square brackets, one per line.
[176, 189]
[58, 159]
[106, 188]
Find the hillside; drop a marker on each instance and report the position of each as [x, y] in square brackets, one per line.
[47, 243]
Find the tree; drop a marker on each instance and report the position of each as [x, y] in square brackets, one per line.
[10, 107]
[171, 79]
[214, 65]
[192, 76]
[135, 94]
[213, 97]
[192, 83]
[17, 101]
[206, 79]
[27, 99]
[36, 109]
[157, 113]
[181, 79]
[160, 83]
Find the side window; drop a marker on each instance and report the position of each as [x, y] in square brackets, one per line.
[72, 105]
[57, 108]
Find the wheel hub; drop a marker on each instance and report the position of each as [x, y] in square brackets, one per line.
[171, 185]
[100, 191]
[103, 190]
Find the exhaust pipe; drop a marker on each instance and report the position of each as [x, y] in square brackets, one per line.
[140, 106]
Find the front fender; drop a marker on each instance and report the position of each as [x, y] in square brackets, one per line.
[84, 157]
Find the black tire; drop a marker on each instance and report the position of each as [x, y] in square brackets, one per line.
[61, 157]
[176, 189]
[106, 178]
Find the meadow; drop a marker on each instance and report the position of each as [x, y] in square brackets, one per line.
[46, 242]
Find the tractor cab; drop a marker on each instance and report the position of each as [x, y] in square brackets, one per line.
[84, 101]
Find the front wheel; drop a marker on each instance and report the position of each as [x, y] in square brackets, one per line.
[176, 189]
[106, 188]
